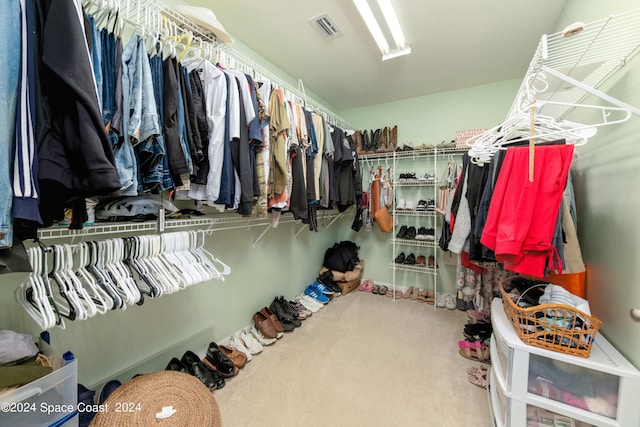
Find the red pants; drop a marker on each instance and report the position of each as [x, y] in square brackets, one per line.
[522, 214]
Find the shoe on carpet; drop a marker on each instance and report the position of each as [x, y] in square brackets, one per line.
[274, 319]
[261, 338]
[264, 325]
[315, 294]
[199, 370]
[322, 288]
[449, 302]
[236, 343]
[106, 390]
[440, 300]
[252, 344]
[238, 358]
[218, 361]
[176, 365]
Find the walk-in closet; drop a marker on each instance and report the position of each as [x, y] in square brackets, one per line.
[343, 213]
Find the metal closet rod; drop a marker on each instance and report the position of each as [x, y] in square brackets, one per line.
[137, 11]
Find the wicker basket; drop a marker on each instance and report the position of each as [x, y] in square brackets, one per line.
[556, 327]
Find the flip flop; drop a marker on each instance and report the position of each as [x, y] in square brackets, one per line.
[415, 292]
[422, 296]
[375, 289]
[383, 290]
[389, 293]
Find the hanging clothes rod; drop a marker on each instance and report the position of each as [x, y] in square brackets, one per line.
[147, 13]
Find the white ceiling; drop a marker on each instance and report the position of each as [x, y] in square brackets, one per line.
[455, 44]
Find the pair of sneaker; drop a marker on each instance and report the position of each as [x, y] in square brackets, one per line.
[406, 233]
[309, 303]
[319, 292]
[445, 300]
[405, 259]
[426, 205]
[427, 177]
[405, 205]
[410, 176]
[426, 234]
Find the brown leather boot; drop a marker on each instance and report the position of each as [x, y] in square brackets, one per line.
[375, 141]
[384, 141]
[393, 138]
[366, 142]
[357, 138]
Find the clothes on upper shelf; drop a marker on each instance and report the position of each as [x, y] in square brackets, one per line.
[97, 115]
[497, 214]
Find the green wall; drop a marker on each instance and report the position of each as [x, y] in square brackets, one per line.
[425, 120]
[607, 176]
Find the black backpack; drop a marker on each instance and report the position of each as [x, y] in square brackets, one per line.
[342, 256]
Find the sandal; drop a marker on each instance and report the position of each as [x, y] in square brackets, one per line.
[383, 290]
[478, 379]
[430, 297]
[375, 289]
[474, 369]
[399, 294]
[474, 351]
[366, 285]
[422, 295]
[407, 293]
[389, 293]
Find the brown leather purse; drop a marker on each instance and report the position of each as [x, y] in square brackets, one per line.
[384, 219]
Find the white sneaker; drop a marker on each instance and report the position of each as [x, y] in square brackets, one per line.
[400, 205]
[440, 302]
[450, 302]
[261, 338]
[309, 303]
[312, 300]
[409, 205]
[250, 342]
[235, 342]
[427, 177]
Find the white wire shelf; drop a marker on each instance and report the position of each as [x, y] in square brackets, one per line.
[414, 153]
[416, 243]
[588, 58]
[213, 222]
[414, 268]
[415, 183]
[403, 212]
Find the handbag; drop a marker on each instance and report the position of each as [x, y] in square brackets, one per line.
[384, 219]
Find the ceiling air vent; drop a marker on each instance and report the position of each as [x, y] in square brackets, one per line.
[326, 26]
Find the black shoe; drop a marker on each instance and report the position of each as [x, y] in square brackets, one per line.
[410, 259]
[86, 396]
[176, 365]
[217, 378]
[422, 234]
[430, 234]
[400, 258]
[411, 233]
[422, 205]
[402, 234]
[289, 308]
[288, 322]
[219, 361]
[199, 369]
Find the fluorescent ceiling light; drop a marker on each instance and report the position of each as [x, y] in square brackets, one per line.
[393, 24]
[389, 14]
[372, 24]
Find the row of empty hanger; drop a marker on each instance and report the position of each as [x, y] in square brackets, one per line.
[78, 281]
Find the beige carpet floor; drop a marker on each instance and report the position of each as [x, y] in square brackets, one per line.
[363, 360]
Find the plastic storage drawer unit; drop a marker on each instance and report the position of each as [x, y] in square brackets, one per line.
[48, 401]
